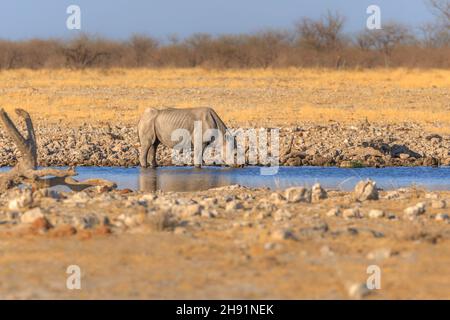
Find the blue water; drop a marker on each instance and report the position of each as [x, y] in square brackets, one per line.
[191, 179]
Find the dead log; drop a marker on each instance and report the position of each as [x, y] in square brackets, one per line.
[26, 172]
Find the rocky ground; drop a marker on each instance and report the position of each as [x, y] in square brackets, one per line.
[230, 242]
[362, 144]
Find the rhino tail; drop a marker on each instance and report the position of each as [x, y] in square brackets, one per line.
[219, 123]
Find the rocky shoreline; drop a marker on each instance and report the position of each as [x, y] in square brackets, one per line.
[290, 244]
[334, 144]
[96, 209]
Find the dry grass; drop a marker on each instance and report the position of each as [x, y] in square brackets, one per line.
[241, 97]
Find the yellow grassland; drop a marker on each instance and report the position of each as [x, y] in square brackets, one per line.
[241, 97]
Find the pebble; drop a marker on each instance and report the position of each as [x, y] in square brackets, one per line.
[276, 198]
[297, 194]
[442, 217]
[375, 213]
[414, 211]
[351, 213]
[358, 291]
[282, 214]
[31, 215]
[335, 212]
[233, 206]
[438, 204]
[379, 254]
[191, 210]
[282, 234]
[205, 213]
[318, 193]
[325, 251]
[179, 230]
[23, 201]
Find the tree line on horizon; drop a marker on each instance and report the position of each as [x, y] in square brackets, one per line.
[310, 43]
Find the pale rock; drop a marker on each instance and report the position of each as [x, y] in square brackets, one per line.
[375, 213]
[366, 190]
[392, 195]
[205, 213]
[358, 291]
[31, 215]
[438, 204]
[282, 234]
[416, 210]
[297, 194]
[318, 193]
[277, 198]
[23, 201]
[179, 230]
[325, 251]
[433, 196]
[282, 214]
[379, 254]
[351, 213]
[79, 197]
[191, 210]
[442, 217]
[234, 205]
[86, 222]
[335, 212]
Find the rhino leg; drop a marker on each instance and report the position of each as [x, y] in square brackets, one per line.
[204, 145]
[145, 147]
[151, 155]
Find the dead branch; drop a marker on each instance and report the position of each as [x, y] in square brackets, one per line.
[26, 172]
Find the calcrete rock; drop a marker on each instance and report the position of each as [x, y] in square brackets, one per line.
[333, 212]
[22, 201]
[318, 193]
[233, 205]
[282, 214]
[282, 234]
[438, 204]
[375, 213]
[297, 194]
[276, 198]
[366, 190]
[31, 215]
[351, 213]
[416, 210]
[442, 217]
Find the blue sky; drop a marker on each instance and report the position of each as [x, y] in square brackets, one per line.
[118, 19]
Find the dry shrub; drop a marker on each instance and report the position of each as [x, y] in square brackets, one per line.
[312, 43]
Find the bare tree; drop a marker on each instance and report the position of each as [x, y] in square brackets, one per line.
[437, 34]
[26, 172]
[322, 34]
[83, 52]
[441, 8]
[144, 49]
[385, 40]
[434, 35]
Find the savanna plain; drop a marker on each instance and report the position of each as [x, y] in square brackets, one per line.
[231, 242]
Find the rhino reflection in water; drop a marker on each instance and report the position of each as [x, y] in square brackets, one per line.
[181, 179]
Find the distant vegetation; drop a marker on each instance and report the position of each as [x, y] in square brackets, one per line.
[310, 43]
